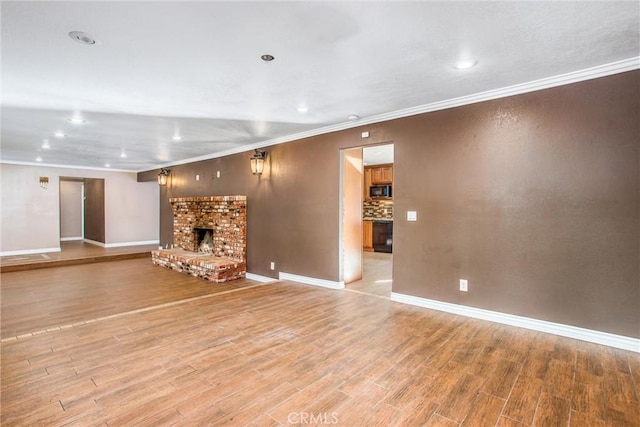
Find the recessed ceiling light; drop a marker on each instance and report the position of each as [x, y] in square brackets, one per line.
[123, 155]
[353, 117]
[77, 120]
[302, 109]
[45, 144]
[59, 135]
[82, 37]
[267, 58]
[107, 165]
[38, 159]
[177, 137]
[465, 64]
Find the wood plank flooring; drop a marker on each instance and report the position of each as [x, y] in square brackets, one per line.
[166, 349]
[73, 253]
[376, 274]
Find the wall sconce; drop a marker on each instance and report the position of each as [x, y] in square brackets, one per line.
[163, 175]
[257, 162]
[44, 182]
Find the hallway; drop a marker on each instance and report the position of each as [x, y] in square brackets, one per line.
[377, 272]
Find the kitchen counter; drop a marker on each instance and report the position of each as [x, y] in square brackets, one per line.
[377, 219]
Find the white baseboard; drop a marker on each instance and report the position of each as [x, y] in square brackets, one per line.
[311, 281]
[604, 338]
[259, 278]
[70, 239]
[122, 244]
[29, 251]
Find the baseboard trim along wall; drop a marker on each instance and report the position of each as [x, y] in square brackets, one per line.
[70, 239]
[259, 278]
[122, 244]
[604, 338]
[311, 281]
[141, 243]
[29, 251]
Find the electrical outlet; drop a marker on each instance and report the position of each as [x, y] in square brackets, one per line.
[273, 265]
[464, 285]
[412, 216]
[197, 177]
[365, 134]
[218, 174]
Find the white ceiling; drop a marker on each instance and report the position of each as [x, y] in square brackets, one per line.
[194, 68]
[377, 155]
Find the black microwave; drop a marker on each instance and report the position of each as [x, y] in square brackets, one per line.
[380, 191]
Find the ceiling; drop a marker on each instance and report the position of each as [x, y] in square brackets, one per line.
[193, 69]
[377, 155]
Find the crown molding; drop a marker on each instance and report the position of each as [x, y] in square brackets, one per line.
[52, 165]
[617, 67]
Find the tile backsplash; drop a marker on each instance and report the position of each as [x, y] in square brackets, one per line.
[377, 209]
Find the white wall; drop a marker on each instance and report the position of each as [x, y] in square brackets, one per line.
[71, 210]
[30, 215]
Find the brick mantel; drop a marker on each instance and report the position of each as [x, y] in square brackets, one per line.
[225, 215]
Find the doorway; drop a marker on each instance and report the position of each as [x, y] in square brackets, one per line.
[71, 209]
[367, 219]
[82, 210]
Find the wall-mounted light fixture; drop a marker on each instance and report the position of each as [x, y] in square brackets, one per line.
[257, 162]
[44, 182]
[163, 175]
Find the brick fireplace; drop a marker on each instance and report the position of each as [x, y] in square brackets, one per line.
[225, 216]
[225, 219]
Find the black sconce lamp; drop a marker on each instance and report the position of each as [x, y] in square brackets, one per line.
[257, 162]
[163, 175]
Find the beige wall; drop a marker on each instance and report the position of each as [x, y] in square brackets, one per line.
[535, 199]
[70, 209]
[31, 215]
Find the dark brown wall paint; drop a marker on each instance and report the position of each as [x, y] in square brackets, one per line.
[94, 228]
[535, 199]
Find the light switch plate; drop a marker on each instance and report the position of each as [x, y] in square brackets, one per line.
[365, 134]
[412, 216]
[218, 174]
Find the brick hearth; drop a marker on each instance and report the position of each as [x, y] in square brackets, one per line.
[226, 216]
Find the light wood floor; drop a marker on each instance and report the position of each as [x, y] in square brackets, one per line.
[377, 268]
[159, 348]
[73, 253]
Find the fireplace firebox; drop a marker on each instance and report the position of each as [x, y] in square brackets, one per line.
[203, 239]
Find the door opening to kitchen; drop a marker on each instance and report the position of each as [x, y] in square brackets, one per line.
[367, 260]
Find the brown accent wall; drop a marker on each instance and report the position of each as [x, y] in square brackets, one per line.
[535, 199]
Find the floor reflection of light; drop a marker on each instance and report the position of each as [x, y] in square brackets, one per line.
[383, 281]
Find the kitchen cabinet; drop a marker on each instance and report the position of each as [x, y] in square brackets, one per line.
[367, 183]
[367, 236]
[377, 175]
[382, 175]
